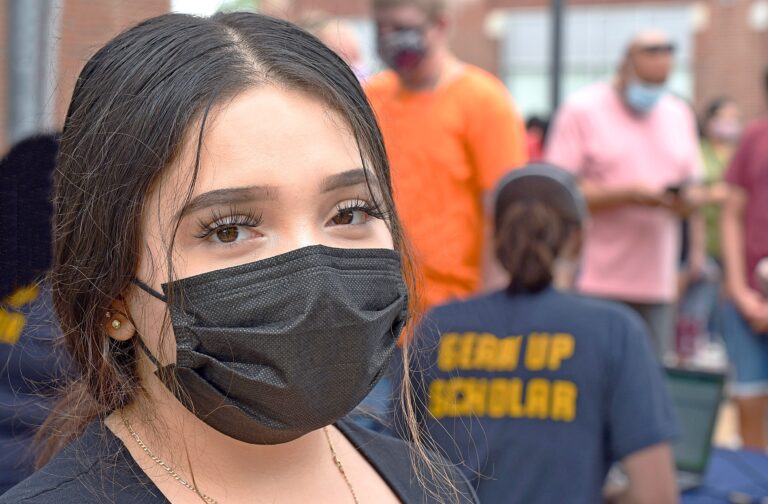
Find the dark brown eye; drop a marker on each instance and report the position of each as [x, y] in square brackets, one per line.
[227, 234]
[344, 217]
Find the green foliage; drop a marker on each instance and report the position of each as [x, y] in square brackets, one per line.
[239, 6]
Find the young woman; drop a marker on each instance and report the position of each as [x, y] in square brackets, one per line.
[228, 277]
[537, 391]
[700, 306]
[721, 127]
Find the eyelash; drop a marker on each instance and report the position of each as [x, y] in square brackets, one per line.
[359, 204]
[234, 217]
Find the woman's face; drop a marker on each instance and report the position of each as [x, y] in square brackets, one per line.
[278, 171]
[725, 125]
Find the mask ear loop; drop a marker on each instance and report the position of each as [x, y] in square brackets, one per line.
[152, 292]
[148, 353]
[149, 290]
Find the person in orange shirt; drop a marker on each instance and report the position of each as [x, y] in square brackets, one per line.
[451, 131]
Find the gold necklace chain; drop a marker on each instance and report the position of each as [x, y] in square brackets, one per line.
[208, 499]
[157, 460]
[338, 463]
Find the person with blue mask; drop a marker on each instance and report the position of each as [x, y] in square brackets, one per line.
[642, 91]
[634, 147]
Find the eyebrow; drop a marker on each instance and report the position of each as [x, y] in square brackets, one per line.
[228, 196]
[234, 195]
[344, 179]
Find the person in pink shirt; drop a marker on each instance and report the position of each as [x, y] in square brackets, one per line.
[634, 147]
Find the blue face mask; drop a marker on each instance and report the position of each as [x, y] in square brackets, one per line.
[642, 97]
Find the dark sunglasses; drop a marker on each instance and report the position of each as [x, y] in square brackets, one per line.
[657, 48]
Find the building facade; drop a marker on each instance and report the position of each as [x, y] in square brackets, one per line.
[721, 43]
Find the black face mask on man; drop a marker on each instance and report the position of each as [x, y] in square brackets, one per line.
[403, 49]
[272, 350]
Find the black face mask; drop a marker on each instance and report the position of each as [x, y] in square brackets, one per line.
[403, 49]
[269, 351]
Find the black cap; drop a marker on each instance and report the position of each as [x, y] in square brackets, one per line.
[542, 183]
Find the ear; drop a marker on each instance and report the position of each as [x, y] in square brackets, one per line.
[627, 67]
[573, 243]
[441, 24]
[116, 322]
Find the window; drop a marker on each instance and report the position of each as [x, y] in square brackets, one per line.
[594, 42]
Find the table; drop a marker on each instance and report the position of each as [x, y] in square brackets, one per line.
[732, 471]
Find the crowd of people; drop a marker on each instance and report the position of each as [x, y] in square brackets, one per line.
[248, 268]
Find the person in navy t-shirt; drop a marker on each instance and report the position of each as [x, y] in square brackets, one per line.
[536, 392]
[31, 364]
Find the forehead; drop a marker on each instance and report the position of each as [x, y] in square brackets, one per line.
[730, 109]
[268, 136]
[400, 15]
[649, 39]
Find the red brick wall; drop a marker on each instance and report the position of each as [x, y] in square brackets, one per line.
[85, 26]
[496, 4]
[467, 37]
[3, 75]
[357, 8]
[730, 59]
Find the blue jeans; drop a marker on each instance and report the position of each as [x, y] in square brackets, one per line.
[748, 352]
[701, 301]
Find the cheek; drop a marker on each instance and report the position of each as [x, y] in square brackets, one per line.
[663, 66]
[152, 322]
[382, 236]
[150, 315]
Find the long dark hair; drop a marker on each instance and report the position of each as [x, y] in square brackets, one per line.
[713, 108]
[134, 104]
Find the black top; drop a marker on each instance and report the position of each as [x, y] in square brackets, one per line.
[97, 468]
[31, 371]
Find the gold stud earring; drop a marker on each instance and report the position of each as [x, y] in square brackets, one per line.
[116, 324]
